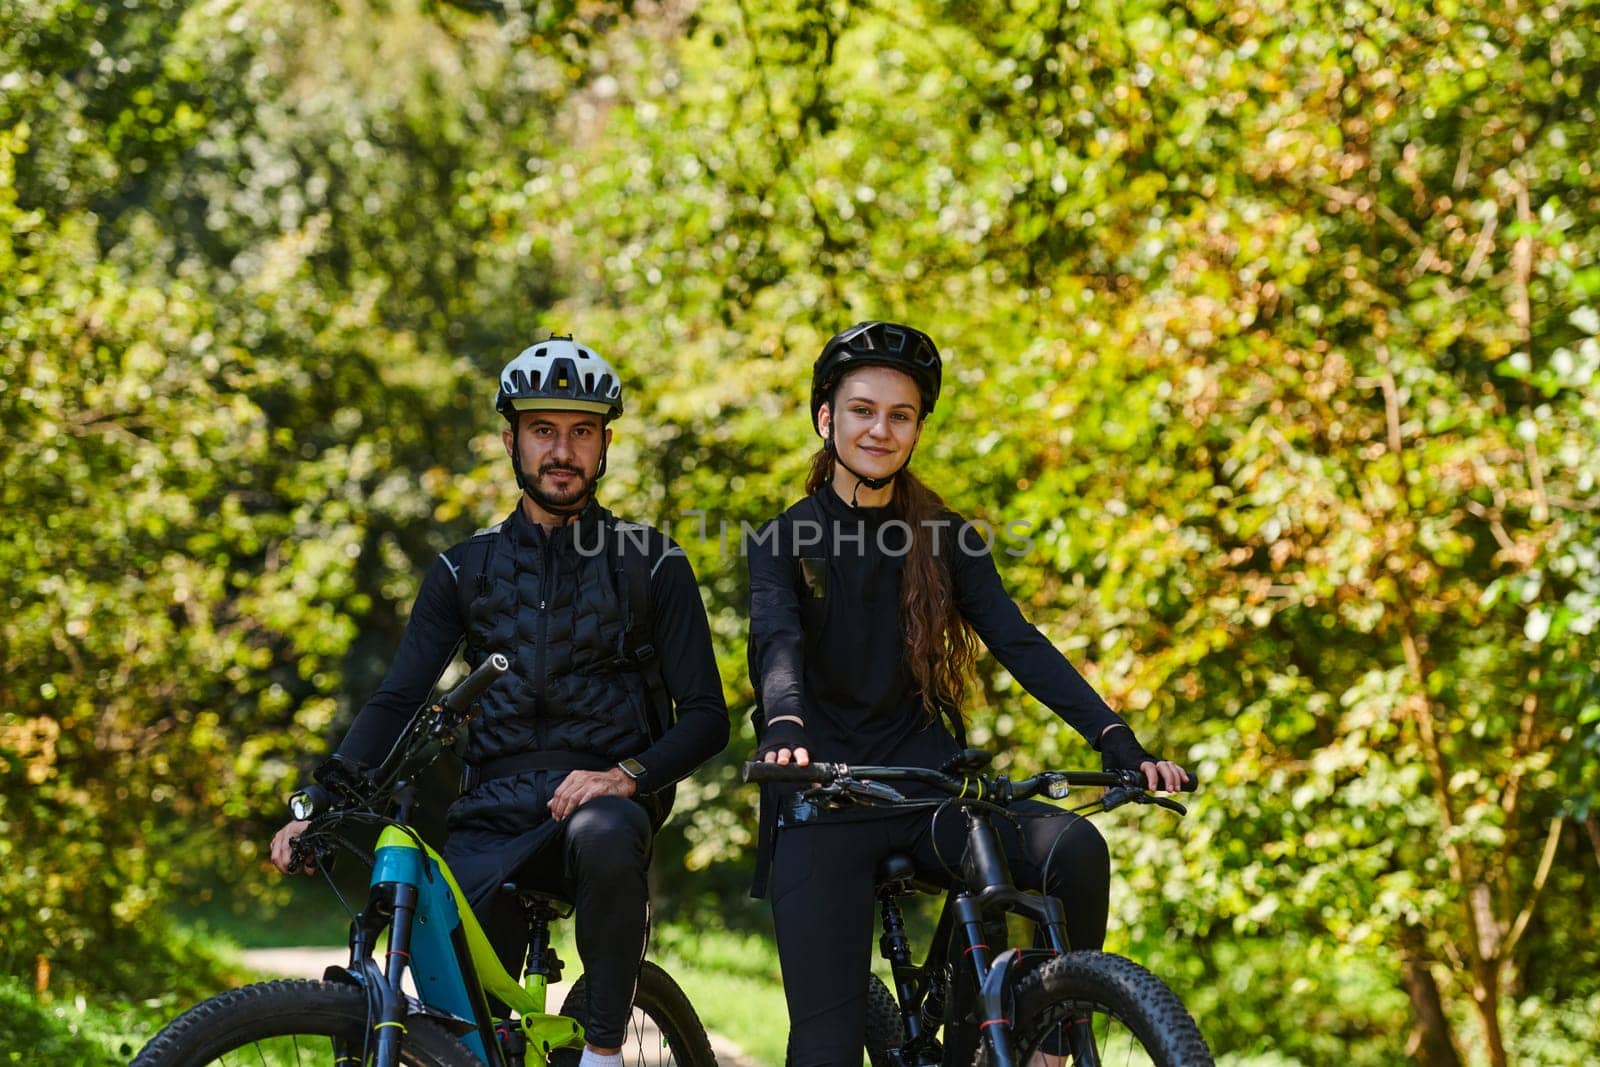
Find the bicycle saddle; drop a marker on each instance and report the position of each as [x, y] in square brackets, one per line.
[537, 899]
[898, 872]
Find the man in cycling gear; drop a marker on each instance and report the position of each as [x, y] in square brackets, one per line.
[572, 757]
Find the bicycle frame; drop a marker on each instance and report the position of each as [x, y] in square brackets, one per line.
[986, 893]
[433, 932]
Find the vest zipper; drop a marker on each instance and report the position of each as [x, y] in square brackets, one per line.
[541, 639]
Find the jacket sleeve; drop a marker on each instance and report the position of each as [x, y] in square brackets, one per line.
[682, 637]
[432, 635]
[1019, 646]
[777, 640]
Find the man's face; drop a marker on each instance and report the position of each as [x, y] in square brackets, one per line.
[559, 452]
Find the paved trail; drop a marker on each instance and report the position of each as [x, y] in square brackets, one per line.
[311, 962]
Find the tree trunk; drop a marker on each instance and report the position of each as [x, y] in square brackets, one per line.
[1486, 998]
[1430, 1044]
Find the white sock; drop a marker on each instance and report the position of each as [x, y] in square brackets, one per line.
[591, 1058]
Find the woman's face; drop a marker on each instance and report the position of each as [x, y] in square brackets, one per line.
[877, 422]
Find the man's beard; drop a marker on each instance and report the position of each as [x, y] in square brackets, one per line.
[560, 499]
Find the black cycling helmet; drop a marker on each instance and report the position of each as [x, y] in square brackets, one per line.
[881, 344]
[559, 375]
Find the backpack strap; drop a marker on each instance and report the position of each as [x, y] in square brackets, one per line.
[629, 545]
[472, 580]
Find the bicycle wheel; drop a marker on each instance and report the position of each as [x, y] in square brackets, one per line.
[886, 1031]
[664, 1028]
[1091, 1008]
[281, 1023]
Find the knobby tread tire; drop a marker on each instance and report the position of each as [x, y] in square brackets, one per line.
[659, 996]
[885, 1029]
[240, 1017]
[1098, 983]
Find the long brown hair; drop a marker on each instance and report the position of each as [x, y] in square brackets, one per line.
[941, 647]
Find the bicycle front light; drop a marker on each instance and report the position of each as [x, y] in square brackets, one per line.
[302, 806]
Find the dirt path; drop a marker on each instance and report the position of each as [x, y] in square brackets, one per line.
[311, 962]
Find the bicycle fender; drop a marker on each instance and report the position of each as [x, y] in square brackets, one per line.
[997, 984]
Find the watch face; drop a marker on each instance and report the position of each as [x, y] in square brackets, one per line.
[631, 767]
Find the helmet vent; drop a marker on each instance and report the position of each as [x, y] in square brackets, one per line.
[559, 375]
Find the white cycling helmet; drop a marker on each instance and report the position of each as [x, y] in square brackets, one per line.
[559, 375]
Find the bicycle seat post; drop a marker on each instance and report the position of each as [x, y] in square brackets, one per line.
[543, 965]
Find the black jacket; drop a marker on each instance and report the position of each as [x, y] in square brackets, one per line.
[549, 601]
[826, 642]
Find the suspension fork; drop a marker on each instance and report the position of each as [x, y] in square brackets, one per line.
[390, 1026]
[991, 977]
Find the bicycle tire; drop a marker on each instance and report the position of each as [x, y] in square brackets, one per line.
[664, 1029]
[277, 1021]
[886, 1031]
[1133, 1017]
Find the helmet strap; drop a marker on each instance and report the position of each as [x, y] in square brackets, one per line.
[861, 479]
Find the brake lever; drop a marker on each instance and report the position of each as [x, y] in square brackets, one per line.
[1118, 795]
[306, 857]
[873, 791]
[846, 790]
[1166, 802]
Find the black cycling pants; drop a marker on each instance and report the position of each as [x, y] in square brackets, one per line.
[598, 861]
[824, 907]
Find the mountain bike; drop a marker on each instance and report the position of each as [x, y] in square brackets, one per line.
[1041, 1004]
[362, 1014]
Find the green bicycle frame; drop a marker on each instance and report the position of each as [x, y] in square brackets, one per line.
[437, 936]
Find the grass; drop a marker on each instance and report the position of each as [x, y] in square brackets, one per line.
[104, 1019]
[76, 1031]
[308, 915]
[732, 980]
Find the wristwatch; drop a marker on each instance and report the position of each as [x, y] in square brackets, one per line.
[631, 767]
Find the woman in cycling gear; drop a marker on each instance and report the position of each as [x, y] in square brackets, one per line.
[867, 599]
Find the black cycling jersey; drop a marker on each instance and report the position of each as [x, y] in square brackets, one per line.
[827, 645]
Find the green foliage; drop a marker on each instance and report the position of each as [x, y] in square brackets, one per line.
[55, 1033]
[733, 981]
[1274, 326]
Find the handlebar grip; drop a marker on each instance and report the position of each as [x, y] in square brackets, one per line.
[1191, 782]
[789, 772]
[459, 699]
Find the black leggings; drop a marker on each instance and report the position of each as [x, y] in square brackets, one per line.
[823, 905]
[599, 862]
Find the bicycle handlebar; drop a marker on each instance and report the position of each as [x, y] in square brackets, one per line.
[977, 786]
[419, 745]
[458, 700]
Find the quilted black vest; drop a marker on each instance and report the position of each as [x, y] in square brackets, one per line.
[548, 601]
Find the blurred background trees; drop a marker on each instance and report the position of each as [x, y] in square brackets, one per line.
[1276, 324]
